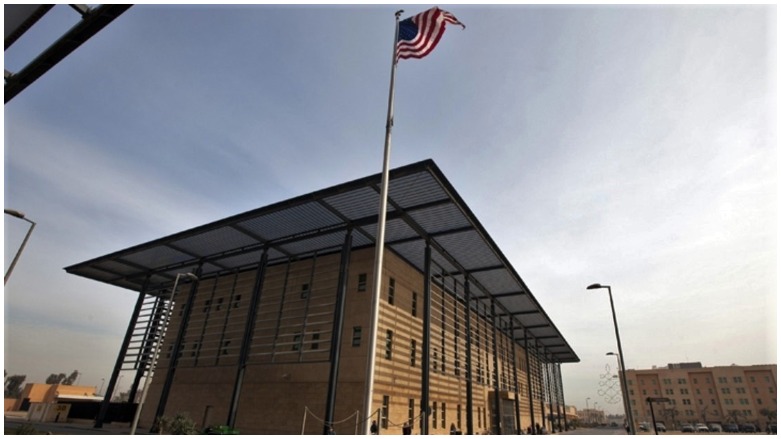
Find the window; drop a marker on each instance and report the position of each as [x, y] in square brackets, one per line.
[737, 379]
[195, 349]
[444, 414]
[388, 344]
[414, 304]
[356, 336]
[236, 300]
[385, 406]
[391, 290]
[219, 303]
[434, 414]
[315, 341]
[411, 411]
[297, 342]
[412, 352]
[225, 345]
[304, 291]
[458, 416]
[207, 306]
[362, 282]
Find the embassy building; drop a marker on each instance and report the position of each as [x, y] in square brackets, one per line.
[271, 333]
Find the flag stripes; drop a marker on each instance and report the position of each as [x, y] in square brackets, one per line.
[419, 34]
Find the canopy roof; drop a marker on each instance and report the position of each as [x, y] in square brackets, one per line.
[422, 207]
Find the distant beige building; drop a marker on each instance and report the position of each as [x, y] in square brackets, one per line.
[721, 394]
[52, 393]
[274, 336]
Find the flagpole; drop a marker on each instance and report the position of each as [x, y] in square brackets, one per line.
[380, 242]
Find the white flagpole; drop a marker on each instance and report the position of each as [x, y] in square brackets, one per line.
[380, 242]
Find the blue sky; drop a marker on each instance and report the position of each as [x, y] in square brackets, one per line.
[633, 146]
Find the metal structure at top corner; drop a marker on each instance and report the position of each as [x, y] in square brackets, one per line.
[19, 18]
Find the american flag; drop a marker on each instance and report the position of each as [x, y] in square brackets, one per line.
[419, 34]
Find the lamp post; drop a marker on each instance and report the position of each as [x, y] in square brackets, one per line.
[624, 387]
[588, 412]
[153, 364]
[624, 392]
[21, 216]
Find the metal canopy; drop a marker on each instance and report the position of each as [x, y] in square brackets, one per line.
[422, 207]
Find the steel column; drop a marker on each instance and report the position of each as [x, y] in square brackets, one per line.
[249, 328]
[150, 340]
[470, 423]
[497, 411]
[556, 383]
[336, 331]
[548, 384]
[561, 389]
[542, 384]
[426, 378]
[515, 379]
[169, 376]
[121, 356]
[529, 384]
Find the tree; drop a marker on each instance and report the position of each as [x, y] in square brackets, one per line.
[13, 385]
[769, 414]
[55, 378]
[61, 378]
[71, 378]
[734, 416]
[179, 424]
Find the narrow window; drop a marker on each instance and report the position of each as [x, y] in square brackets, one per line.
[444, 413]
[315, 341]
[219, 303]
[414, 304]
[434, 414]
[411, 411]
[297, 342]
[391, 290]
[388, 344]
[207, 306]
[362, 282]
[304, 291]
[225, 345]
[412, 352]
[356, 336]
[236, 300]
[385, 407]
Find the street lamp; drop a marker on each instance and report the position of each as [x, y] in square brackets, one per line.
[152, 366]
[625, 388]
[588, 412]
[19, 215]
[624, 392]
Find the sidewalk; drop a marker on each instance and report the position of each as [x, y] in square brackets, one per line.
[13, 420]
